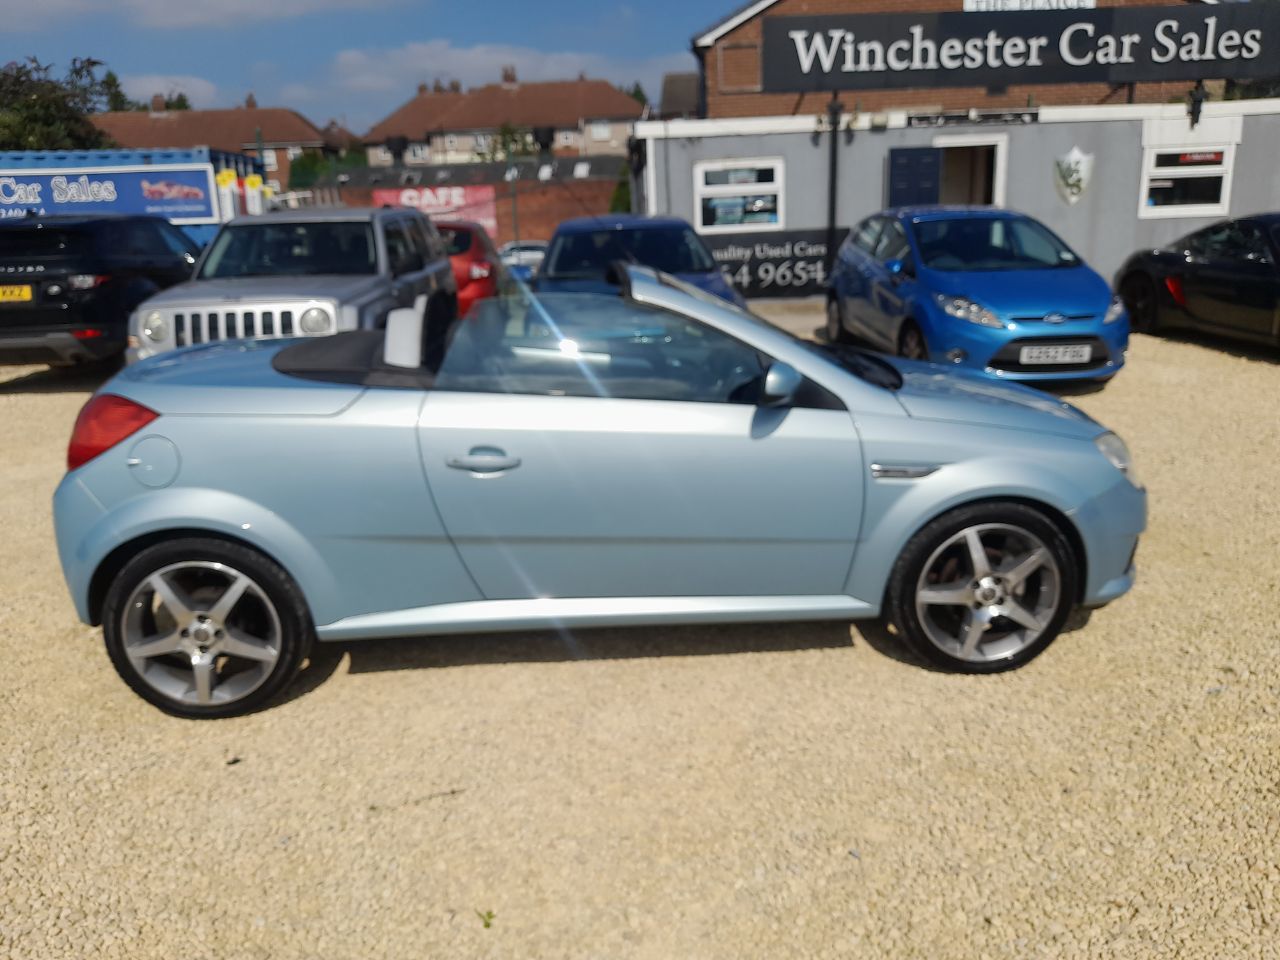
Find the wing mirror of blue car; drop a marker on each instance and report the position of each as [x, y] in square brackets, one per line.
[780, 385]
[402, 346]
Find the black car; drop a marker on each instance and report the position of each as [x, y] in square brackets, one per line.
[1223, 279]
[68, 284]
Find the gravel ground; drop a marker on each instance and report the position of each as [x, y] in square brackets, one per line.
[771, 791]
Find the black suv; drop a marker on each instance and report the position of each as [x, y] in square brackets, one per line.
[68, 284]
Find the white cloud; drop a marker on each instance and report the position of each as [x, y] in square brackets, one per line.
[160, 14]
[142, 86]
[367, 84]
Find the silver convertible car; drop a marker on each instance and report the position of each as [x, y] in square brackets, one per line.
[573, 460]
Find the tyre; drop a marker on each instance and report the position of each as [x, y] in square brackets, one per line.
[836, 332]
[984, 588]
[1139, 295]
[911, 343]
[203, 628]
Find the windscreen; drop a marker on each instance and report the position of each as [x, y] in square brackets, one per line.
[33, 243]
[292, 249]
[588, 254]
[990, 243]
[456, 241]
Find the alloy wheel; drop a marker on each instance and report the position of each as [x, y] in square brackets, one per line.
[201, 633]
[988, 592]
[912, 346]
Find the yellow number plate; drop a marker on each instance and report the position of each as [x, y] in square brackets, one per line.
[15, 293]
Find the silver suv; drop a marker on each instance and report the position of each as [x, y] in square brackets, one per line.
[303, 273]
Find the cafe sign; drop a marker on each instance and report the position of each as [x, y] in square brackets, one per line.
[957, 49]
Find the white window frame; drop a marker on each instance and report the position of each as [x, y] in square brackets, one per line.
[777, 188]
[451, 141]
[566, 137]
[601, 131]
[1183, 211]
[480, 142]
[417, 153]
[269, 160]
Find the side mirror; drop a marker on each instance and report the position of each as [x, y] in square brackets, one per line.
[403, 344]
[780, 385]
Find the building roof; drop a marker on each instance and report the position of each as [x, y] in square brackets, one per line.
[561, 104]
[679, 96]
[232, 130]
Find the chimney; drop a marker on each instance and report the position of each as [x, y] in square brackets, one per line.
[455, 86]
[157, 103]
[422, 89]
[437, 86]
[251, 102]
[509, 76]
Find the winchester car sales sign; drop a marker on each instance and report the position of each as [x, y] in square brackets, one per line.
[956, 49]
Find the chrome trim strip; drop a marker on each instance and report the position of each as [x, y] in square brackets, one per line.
[901, 471]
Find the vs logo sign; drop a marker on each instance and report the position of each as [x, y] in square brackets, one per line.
[1072, 173]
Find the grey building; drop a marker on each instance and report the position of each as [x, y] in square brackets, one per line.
[1109, 179]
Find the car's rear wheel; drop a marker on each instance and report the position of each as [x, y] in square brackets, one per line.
[983, 588]
[1139, 295]
[911, 343]
[204, 628]
[836, 332]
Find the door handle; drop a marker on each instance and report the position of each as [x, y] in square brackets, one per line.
[484, 460]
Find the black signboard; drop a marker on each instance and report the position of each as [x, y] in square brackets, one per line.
[779, 263]
[1111, 45]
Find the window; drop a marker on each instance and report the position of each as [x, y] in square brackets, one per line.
[269, 160]
[178, 241]
[588, 254]
[481, 142]
[291, 249]
[990, 243]
[866, 233]
[1235, 240]
[1186, 181]
[590, 345]
[734, 196]
[417, 153]
[135, 238]
[293, 153]
[601, 130]
[451, 142]
[892, 243]
[566, 137]
[400, 252]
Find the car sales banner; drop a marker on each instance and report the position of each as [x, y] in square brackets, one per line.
[179, 193]
[778, 263]
[1111, 45]
[476, 203]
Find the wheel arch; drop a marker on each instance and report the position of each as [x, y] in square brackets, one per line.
[115, 561]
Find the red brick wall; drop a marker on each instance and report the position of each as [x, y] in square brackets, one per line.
[540, 206]
[732, 70]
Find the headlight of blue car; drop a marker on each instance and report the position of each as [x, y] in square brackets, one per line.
[1115, 311]
[962, 308]
[1115, 450]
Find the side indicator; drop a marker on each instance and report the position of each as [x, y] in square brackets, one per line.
[1174, 286]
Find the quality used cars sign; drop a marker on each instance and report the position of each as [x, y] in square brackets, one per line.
[1111, 45]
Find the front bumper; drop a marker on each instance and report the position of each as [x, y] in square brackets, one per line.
[995, 353]
[1110, 525]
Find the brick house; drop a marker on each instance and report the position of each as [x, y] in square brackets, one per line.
[449, 125]
[285, 134]
[729, 55]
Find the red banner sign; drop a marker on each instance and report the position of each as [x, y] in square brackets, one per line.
[445, 203]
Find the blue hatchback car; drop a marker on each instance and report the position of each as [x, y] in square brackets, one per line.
[583, 250]
[989, 290]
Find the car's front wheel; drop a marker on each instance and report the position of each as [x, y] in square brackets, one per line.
[205, 628]
[983, 588]
[1138, 293]
[836, 332]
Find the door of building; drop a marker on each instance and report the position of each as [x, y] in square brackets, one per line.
[914, 176]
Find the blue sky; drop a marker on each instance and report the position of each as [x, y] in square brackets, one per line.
[355, 60]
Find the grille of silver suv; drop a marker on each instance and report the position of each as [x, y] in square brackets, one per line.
[202, 326]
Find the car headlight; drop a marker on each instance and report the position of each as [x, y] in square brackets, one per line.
[1115, 450]
[1115, 311]
[963, 308]
[314, 321]
[154, 327]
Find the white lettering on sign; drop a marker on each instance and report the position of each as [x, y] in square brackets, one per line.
[440, 198]
[1000, 6]
[82, 190]
[12, 191]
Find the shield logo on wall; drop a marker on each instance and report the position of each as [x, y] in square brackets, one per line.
[1072, 173]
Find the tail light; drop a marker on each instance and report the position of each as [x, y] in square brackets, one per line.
[86, 281]
[103, 422]
[1174, 284]
[480, 269]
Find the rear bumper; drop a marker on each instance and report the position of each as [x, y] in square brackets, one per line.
[59, 346]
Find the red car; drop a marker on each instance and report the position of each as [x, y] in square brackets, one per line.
[476, 265]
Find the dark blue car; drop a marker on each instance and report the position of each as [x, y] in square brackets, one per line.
[985, 289]
[583, 249]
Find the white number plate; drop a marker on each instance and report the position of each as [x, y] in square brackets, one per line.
[1057, 353]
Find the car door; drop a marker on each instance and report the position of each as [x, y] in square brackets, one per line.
[141, 250]
[408, 266]
[603, 448]
[887, 288]
[853, 276]
[1231, 280]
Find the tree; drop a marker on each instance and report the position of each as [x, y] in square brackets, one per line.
[637, 94]
[114, 95]
[314, 166]
[39, 111]
[507, 143]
